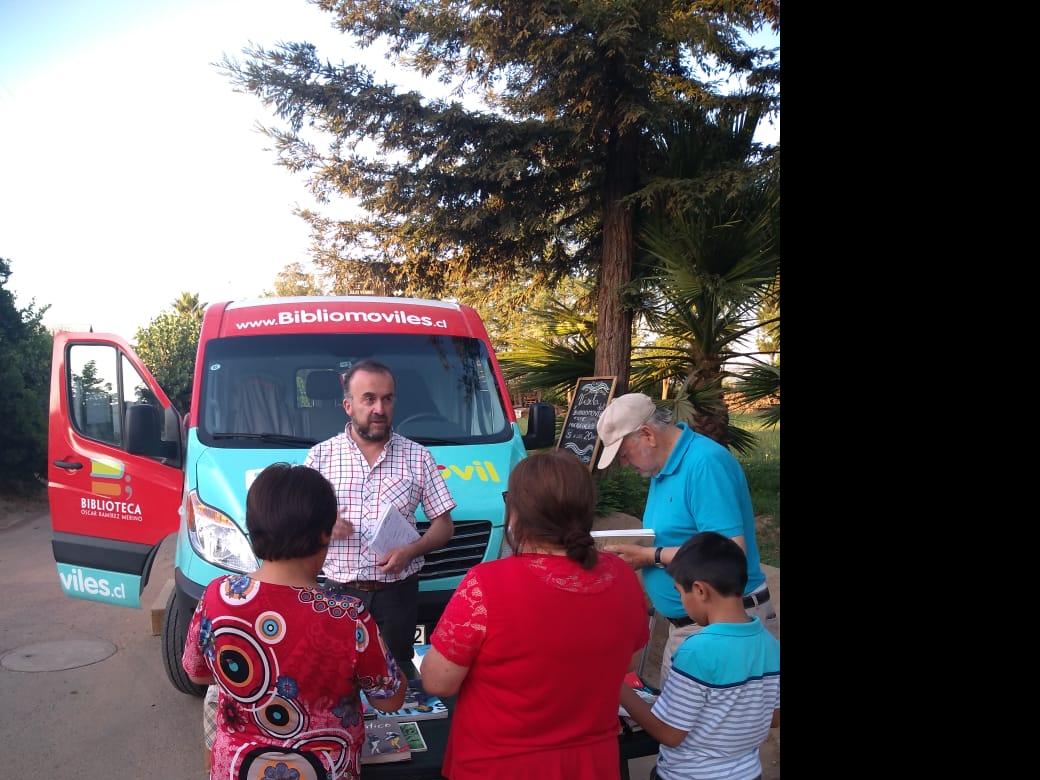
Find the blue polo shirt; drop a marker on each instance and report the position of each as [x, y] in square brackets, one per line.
[701, 487]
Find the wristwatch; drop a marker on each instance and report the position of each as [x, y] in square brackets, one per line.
[657, 558]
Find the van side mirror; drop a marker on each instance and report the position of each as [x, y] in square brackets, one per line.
[143, 430]
[148, 433]
[541, 426]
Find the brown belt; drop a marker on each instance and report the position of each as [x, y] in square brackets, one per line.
[369, 585]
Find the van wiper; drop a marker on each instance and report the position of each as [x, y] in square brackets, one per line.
[430, 440]
[270, 438]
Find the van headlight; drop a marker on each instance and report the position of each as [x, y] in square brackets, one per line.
[216, 538]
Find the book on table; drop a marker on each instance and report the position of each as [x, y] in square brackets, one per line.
[413, 735]
[391, 529]
[641, 536]
[384, 743]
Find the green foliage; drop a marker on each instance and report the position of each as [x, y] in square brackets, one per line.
[762, 466]
[25, 352]
[536, 185]
[713, 255]
[559, 349]
[621, 490]
[293, 280]
[168, 344]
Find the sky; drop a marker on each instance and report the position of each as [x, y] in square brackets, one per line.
[129, 169]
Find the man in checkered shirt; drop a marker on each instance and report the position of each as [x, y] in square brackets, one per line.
[369, 465]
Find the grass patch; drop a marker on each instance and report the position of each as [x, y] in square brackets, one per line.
[762, 467]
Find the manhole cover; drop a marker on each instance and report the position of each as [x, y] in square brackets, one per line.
[55, 656]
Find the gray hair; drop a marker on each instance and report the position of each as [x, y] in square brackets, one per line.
[661, 417]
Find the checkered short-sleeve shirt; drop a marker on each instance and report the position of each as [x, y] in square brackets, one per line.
[405, 474]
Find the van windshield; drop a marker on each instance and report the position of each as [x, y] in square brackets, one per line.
[286, 391]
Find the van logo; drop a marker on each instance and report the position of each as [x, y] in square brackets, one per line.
[107, 476]
[485, 471]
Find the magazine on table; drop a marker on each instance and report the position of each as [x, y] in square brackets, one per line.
[418, 705]
[413, 735]
[384, 743]
[391, 529]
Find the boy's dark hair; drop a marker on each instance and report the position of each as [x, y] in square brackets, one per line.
[554, 500]
[288, 509]
[711, 558]
[369, 365]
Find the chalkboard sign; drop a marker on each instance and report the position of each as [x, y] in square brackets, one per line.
[591, 396]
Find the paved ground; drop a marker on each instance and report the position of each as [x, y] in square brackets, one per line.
[116, 718]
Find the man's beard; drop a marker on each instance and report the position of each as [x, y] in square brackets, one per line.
[366, 431]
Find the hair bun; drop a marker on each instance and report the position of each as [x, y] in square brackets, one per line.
[581, 548]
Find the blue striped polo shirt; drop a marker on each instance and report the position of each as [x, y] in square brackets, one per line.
[724, 686]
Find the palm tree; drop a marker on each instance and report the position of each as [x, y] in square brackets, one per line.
[710, 237]
[188, 303]
[709, 257]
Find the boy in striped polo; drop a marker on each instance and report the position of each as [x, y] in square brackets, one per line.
[716, 709]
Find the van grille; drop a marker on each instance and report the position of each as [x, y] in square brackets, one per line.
[465, 550]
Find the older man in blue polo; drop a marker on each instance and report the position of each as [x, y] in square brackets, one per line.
[695, 485]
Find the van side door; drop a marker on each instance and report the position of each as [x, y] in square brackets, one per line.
[114, 477]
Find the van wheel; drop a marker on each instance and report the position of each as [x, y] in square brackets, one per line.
[174, 633]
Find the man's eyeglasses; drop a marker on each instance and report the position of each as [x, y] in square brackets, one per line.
[505, 496]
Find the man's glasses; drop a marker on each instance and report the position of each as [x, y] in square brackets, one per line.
[505, 496]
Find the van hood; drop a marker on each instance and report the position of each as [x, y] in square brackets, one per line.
[223, 476]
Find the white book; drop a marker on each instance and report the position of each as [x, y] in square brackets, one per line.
[642, 536]
[391, 530]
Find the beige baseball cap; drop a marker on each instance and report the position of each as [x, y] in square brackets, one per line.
[622, 416]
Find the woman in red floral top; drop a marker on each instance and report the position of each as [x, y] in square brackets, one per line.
[537, 644]
[289, 657]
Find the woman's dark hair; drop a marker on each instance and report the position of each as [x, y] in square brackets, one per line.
[712, 558]
[552, 501]
[288, 510]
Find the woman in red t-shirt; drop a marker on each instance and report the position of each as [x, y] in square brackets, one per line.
[289, 657]
[536, 645]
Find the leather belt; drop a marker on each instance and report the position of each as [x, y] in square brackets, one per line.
[750, 600]
[370, 585]
[754, 599]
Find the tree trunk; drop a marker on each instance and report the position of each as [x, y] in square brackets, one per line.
[614, 319]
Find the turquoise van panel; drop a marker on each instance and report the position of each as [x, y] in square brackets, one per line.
[476, 475]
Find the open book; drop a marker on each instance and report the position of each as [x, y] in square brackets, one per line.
[643, 536]
[391, 530]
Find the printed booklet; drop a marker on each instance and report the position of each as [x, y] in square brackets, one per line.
[384, 743]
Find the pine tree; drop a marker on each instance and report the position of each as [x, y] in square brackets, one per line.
[539, 184]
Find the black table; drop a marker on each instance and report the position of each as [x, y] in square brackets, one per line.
[427, 765]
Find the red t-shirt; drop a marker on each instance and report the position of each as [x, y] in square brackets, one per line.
[547, 644]
[289, 662]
